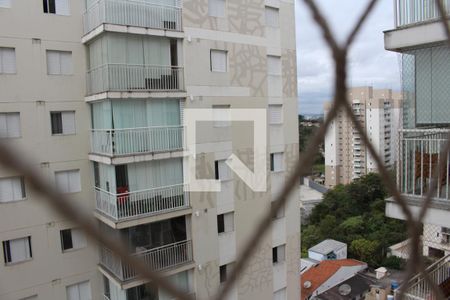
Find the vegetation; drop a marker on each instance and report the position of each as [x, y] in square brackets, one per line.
[355, 214]
[305, 135]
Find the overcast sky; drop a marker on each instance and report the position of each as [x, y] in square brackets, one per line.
[370, 64]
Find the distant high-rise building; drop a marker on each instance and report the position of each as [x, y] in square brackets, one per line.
[346, 156]
[96, 91]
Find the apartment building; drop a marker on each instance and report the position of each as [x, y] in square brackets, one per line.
[420, 39]
[94, 92]
[346, 156]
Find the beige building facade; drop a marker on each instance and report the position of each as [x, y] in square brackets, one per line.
[346, 156]
[94, 93]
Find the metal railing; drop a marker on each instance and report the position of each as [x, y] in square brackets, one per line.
[420, 151]
[419, 288]
[157, 259]
[408, 12]
[130, 77]
[131, 141]
[132, 13]
[142, 203]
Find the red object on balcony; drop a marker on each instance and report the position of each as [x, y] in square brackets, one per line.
[123, 194]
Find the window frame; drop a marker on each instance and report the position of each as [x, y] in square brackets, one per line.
[215, 70]
[6, 129]
[215, 14]
[74, 247]
[59, 52]
[46, 6]
[61, 113]
[6, 246]
[272, 9]
[68, 173]
[23, 190]
[2, 72]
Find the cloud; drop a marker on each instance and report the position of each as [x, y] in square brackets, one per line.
[369, 63]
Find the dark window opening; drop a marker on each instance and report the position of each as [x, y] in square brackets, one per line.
[216, 169]
[220, 223]
[56, 120]
[223, 273]
[66, 239]
[49, 6]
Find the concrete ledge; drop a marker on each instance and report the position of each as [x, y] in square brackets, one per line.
[145, 219]
[133, 95]
[134, 158]
[130, 29]
[436, 214]
[416, 35]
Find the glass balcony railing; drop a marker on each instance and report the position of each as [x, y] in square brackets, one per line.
[157, 259]
[409, 12]
[136, 204]
[133, 13]
[133, 141]
[420, 153]
[128, 78]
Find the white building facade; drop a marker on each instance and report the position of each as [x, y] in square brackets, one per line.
[95, 93]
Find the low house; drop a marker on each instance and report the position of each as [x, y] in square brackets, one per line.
[328, 274]
[328, 249]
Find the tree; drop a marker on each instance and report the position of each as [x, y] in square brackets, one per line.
[365, 250]
[355, 212]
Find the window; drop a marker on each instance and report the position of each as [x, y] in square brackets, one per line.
[275, 114]
[17, 250]
[273, 65]
[223, 273]
[5, 3]
[276, 162]
[272, 16]
[222, 171]
[278, 254]
[219, 60]
[68, 181]
[79, 291]
[280, 212]
[7, 60]
[225, 222]
[10, 125]
[221, 115]
[72, 239]
[59, 7]
[280, 294]
[12, 189]
[63, 122]
[59, 62]
[216, 8]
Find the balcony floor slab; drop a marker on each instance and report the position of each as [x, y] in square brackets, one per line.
[130, 29]
[135, 95]
[139, 220]
[136, 158]
[437, 212]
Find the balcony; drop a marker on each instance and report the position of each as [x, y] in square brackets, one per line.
[133, 13]
[133, 141]
[439, 274]
[157, 259]
[420, 152]
[138, 204]
[134, 78]
[409, 12]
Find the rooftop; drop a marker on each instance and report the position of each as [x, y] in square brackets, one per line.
[327, 246]
[319, 274]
